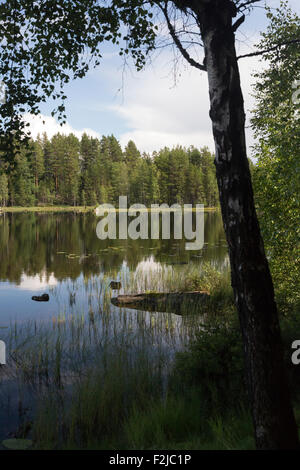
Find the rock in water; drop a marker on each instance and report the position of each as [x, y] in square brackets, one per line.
[115, 285]
[170, 302]
[41, 298]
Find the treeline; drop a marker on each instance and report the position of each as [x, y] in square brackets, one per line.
[91, 171]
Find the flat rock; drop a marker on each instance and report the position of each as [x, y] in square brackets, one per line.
[170, 302]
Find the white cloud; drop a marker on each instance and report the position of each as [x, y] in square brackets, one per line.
[40, 281]
[154, 112]
[40, 124]
[159, 114]
[149, 141]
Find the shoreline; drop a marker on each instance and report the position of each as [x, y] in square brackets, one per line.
[77, 209]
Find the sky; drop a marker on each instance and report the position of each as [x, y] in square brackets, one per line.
[151, 107]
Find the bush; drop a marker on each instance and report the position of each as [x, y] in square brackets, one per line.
[214, 361]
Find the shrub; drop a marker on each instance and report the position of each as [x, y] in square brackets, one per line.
[214, 362]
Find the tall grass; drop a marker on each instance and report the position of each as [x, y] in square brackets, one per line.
[82, 375]
[163, 278]
[107, 379]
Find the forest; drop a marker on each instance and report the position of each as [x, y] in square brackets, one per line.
[67, 171]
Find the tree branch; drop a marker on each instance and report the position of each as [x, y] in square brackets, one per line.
[271, 49]
[238, 23]
[178, 43]
[246, 4]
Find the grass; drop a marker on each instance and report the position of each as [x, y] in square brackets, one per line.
[183, 423]
[79, 209]
[162, 278]
[123, 396]
[89, 376]
[121, 379]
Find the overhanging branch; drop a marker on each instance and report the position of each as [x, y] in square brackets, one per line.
[271, 49]
[178, 43]
[238, 23]
[244, 5]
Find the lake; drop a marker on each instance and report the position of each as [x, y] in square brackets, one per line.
[60, 254]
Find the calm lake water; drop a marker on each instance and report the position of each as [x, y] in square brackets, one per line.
[60, 254]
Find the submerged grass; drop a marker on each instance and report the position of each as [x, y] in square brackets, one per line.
[87, 376]
[80, 376]
[105, 379]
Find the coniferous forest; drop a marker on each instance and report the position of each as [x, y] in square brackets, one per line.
[67, 171]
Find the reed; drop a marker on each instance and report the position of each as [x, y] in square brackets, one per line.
[105, 378]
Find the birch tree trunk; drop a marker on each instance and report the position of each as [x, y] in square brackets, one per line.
[273, 417]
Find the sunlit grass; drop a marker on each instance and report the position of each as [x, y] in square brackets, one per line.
[79, 209]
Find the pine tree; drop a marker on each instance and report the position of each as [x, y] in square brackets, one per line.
[3, 189]
[55, 163]
[90, 169]
[131, 155]
[69, 190]
[22, 182]
[115, 150]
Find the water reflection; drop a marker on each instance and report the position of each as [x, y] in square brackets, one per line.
[60, 254]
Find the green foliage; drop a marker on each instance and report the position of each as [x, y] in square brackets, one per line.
[173, 420]
[21, 182]
[205, 278]
[124, 395]
[126, 390]
[209, 181]
[90, 170]
[64, 170]
[131, 154]
[119, 181]
[3, 189]
[183, 422]
[70, 171]
[276, 178]
[45, 45]
[214, 362]
[186, 176]
[172, 165]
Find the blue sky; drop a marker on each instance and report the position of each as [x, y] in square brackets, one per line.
[147, 106]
